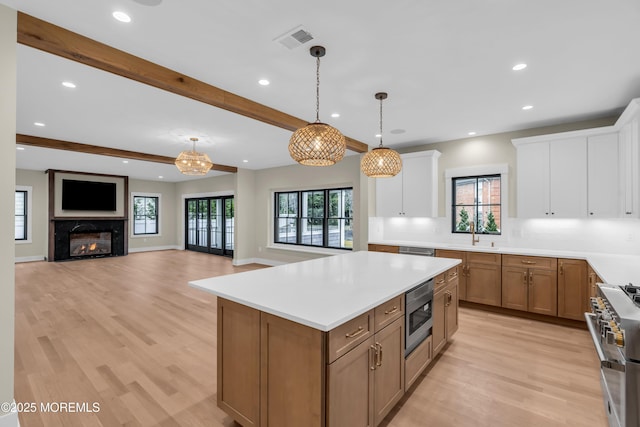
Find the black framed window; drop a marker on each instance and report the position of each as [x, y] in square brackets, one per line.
[321, 218]
[21, 222]
[145, 215]
[477, 200]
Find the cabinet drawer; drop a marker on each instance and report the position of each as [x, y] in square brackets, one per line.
[348, 335]
[542, 263]
[483, 258]
[452, 274]
[439, 282]
[384, 248]
[389, 311]
[416, 363]
[446, 253]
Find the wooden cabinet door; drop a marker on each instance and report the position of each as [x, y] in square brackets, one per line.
[350, 382]
[292, 373]
[389, 372]
[515, 284]
[439, 331]
[568, 178]
[593, 281]
[239, 361]
[543, 292]
[484, 284]
[602, 179]
[572, 288]
[452, 309]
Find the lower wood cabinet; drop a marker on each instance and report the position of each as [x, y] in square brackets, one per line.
[479, 275]
[417, 362]
[530, 284]
[573, 288]
[592, 280]
[384, 248]
[274, 372]
[445, 314]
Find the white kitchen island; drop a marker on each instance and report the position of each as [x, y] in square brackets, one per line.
[316, 343]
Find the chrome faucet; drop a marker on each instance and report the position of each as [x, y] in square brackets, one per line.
[474, 239]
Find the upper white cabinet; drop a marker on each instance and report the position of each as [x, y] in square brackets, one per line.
[552, 175]
[589, 173]
[414, 191]
[603, 182]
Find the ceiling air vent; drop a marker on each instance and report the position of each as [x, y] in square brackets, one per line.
[295, 37]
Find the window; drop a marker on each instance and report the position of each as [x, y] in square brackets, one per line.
[145, 214]
[22, 217]
[476, 199]
[322, 218]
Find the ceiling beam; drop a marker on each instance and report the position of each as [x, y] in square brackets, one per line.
[57, 144]
[58, 41]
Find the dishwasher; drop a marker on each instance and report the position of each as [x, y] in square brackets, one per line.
[418, 305]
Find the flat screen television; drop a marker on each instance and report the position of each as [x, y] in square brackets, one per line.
[88, 195]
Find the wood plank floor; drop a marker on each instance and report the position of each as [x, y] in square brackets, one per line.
[129, 334]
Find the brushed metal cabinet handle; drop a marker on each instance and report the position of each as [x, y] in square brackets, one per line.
[355, 333]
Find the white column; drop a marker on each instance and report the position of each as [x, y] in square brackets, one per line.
[8, 31]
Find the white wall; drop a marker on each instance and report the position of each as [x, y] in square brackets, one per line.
[8, 31]
[167, 238]
[36, 249]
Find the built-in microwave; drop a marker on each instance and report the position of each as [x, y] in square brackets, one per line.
[419, 311]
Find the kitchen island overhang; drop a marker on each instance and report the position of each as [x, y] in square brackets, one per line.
[321, 342]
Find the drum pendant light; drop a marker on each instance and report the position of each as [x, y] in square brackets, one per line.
[317, 144]
[381, 162]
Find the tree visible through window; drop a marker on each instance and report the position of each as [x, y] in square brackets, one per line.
[145, 215]
[476, 199]
[321, 218]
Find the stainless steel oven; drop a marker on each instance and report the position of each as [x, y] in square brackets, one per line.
[419, 311]
[614, 325]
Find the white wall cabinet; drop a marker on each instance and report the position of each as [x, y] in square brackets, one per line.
[552, 176]
[414, 191]
[593, 173]
[603, 184]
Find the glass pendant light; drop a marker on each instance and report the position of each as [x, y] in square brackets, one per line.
[381, 162]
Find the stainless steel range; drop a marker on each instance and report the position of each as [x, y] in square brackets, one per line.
[614, 324]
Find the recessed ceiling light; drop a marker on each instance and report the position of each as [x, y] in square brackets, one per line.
[245, 161]
[263, 82]
[38, 124]
[335, 115]
[69, 85]
[160, 176]
[471, 133]
[378, 135]
[125, 161]
[527, 107]
[20, 148]
[121, 16]
[519, 67]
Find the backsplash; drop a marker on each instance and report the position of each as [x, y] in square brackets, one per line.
[615, 236]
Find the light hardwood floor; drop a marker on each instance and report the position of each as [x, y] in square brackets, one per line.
[130, 334]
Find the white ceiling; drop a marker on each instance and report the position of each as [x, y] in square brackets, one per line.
[446, 67]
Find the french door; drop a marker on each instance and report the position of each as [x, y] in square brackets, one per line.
[210, 223]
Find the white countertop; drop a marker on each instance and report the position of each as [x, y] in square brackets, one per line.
[611, 268]
[326, 292]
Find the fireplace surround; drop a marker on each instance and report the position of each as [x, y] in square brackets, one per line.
[88, 231]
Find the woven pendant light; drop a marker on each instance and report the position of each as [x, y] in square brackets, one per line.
[317, 144]
[191, 162]
[381, 162]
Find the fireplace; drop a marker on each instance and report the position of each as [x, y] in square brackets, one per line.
[88, 238]
[91, 244]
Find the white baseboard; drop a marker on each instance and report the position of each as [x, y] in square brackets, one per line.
[30, 258]
[263, 261]
[154, 248]
[10, 419]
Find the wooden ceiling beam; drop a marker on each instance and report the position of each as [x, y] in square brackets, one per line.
[59, 41]
[57, 144]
